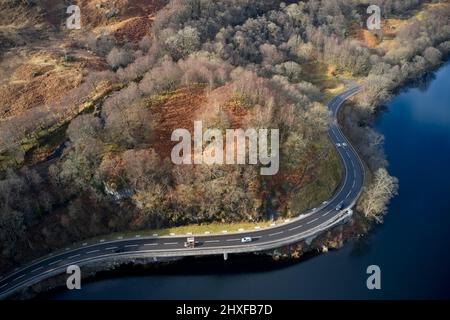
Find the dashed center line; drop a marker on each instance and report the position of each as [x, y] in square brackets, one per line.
[55, 262]
[111, 248]
[312, 221]
[229, 240]
[275, 234]
[325, 214]
[131, 245]
[295, 228]
[37, 269]
[170, 243]
[211, 241]
[93, 251]
[150, 244]
[20, 277]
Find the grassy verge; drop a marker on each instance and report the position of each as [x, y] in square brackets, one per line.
[326, 77]
[329, 175]
[184, 231]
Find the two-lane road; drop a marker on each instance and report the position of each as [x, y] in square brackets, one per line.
[307, 225]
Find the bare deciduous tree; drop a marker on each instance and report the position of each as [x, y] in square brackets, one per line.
[378, 194]
[118, 58]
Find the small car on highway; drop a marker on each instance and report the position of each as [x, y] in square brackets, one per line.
[340, 206]
[246, 240]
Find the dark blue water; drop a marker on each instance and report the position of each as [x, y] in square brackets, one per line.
[412, 247]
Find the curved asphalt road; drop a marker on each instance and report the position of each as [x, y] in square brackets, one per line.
[305, 226]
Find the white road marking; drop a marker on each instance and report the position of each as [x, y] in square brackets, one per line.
[131, 245]
[150, 244]
[295, 228]
[275, 234]
[312, 221]
[20, 277]
[111, 248]
[327, 213]
[4, 285]
[211, 241]
[170, 243]
[93, 251]
[55, 262]
[37, 269]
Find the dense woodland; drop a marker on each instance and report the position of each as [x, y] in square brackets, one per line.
[250, 59]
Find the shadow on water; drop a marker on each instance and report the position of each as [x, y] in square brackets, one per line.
[422, 84]
[195, 266]
[362, 245]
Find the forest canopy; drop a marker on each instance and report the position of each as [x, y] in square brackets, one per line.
[231, 64]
